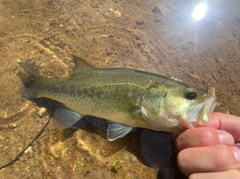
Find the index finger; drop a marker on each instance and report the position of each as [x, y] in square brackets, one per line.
[226, 122]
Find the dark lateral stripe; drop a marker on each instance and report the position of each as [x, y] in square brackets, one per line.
[61, 88]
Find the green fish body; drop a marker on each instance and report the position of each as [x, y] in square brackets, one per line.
[126, 97]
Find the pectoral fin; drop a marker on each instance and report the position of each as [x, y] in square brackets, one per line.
[65, 117]
[134, 99]
[116, 131]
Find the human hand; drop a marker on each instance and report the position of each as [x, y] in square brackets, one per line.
[212, 151]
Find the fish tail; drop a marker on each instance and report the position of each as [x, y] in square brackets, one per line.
[30, 90]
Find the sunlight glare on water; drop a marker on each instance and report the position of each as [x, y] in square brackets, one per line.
[199, 11]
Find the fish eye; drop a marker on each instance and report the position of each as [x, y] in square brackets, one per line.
[190, 94]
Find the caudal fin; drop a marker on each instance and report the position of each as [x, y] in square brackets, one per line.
[29, 91]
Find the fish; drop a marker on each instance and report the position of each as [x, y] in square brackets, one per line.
[128, 98]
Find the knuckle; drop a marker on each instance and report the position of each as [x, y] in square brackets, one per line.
[219, 155]
[208, 137]
[183, 160]
[179, 142]
[197, 137]
[234, 173]
[193, 176]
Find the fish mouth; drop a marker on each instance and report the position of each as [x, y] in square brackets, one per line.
[200, 114]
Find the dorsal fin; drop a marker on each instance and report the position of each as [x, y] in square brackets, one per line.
[80, 64]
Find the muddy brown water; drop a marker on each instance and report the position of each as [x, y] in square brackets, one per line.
[158, 36]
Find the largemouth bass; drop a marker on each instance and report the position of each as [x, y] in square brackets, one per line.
[128, 98]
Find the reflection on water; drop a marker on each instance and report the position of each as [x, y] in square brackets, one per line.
[157, 36]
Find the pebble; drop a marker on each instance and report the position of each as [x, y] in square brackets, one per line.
[12, 126]
[129, 157]
[81, 145]
[57, 149]
[29, 151]
[41, 112]
[195, 76]
[156, 10]
[117, 14]
[50, 2]
[140, 22]
[219, 60]
[227, 112]
[211, 91]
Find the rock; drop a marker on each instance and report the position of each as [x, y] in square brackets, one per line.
[227, 112]
[195, 76]
[29, 151]
[156, 10]
[12, 126]
[57, 149]
[211, 91]
[41, 112]
[117, 14]
[81, 145]
[140, 22]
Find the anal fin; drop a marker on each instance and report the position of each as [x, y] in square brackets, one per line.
[65, 117]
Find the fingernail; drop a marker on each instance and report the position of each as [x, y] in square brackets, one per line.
[225, 138]
[236, 152]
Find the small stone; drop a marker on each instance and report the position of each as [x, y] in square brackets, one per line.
[82, 146]
[219, 60]
[108, 59]
[50, 2]
[41, 112]
[139, 22]
[117, 14]
[107, 36]
[195, 76]
[29, 151]
[25, 10]
[12, 126]
[227, 112]
[57, 149]
[211, 91]
[156, 10]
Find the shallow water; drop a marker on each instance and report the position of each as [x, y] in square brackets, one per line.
[157, 36]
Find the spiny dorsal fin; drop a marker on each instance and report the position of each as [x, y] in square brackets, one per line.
[80, 64]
